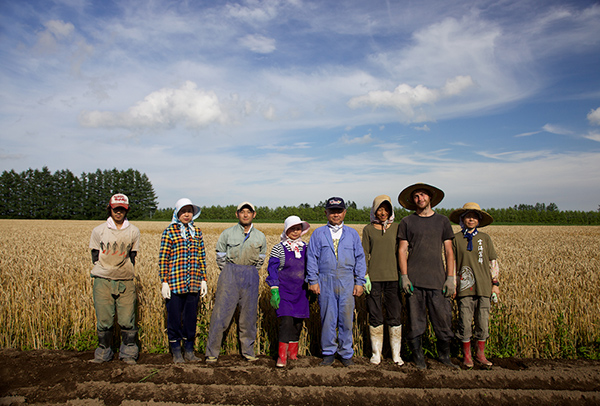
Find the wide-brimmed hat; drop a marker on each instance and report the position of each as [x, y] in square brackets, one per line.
[295, 220]
[484, 218]
[405, 197]
[186, 202]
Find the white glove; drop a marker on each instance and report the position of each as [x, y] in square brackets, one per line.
[166, 291]
[203, 289]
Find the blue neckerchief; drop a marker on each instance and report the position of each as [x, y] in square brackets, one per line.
[469, 236]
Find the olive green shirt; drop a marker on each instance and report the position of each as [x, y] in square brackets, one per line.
[381, 253]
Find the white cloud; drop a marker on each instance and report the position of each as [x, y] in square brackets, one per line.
[593, 136]
[554, 129]
[527, 134]
[365, 139]
[255, 12]
[422, 128]
[258, 43]
[594, 116]
[166, 107]
[406, 98]
[55, 31]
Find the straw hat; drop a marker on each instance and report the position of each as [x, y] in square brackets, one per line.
[484, 218]
[405, 197]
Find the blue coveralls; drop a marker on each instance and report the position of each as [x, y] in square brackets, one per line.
[336, 278]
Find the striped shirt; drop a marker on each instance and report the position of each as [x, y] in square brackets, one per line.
[182, 262]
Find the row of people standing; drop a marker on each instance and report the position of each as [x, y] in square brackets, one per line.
[334, 265]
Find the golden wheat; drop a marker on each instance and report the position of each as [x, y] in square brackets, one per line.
[549, 288]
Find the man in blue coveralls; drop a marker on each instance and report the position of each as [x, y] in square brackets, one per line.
[241, 252]
[336, 267]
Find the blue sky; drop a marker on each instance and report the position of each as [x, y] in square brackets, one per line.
[282, 102]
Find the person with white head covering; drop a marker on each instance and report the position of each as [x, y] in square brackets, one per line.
[477, 271]
[380, 243]
[289, 291]
[182, 271]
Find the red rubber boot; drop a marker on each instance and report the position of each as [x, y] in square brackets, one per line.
[480, 356]
[293, 350]
[467, 360]
[282, 359]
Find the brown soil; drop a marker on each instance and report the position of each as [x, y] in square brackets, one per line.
[63, 377]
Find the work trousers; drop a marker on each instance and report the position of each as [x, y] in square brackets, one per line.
[237, 285]
[439, 307]
[289, 329]
[182, 314]
[337, 314]
[114, 297]
[384, 295]
[475, 308]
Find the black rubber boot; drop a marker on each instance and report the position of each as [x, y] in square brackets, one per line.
[444, 354]
[176, 351]
[129, 350]
[417, 350]
[104, 352]
[188, 351]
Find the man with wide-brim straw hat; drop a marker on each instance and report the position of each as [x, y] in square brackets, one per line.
[428, 285]
[405, 198]
[477, 271]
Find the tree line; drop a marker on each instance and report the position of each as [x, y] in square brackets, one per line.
[519, 214]
[40, 194]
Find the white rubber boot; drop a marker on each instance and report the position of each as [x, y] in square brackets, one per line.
[396, 344]
[376, 343]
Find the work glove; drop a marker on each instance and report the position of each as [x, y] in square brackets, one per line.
[203, 289]
[367, 285]
[275, 299]
[166, 291]
[406, 284]
[449, 288]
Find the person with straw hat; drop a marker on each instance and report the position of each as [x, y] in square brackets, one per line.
[428, 286]
[477, 271]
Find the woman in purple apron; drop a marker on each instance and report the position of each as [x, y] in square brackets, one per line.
[289, 292]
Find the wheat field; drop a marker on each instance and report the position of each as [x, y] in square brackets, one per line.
[549, 304]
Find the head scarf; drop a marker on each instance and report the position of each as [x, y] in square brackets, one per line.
[185, 228]
[377, 203]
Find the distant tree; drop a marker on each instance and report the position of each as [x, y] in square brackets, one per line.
[42, 195]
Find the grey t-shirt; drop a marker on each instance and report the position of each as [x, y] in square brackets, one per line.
[426, 236]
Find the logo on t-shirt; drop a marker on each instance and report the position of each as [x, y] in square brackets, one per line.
[467, 278]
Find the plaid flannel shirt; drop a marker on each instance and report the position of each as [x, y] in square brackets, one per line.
[182, 262]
